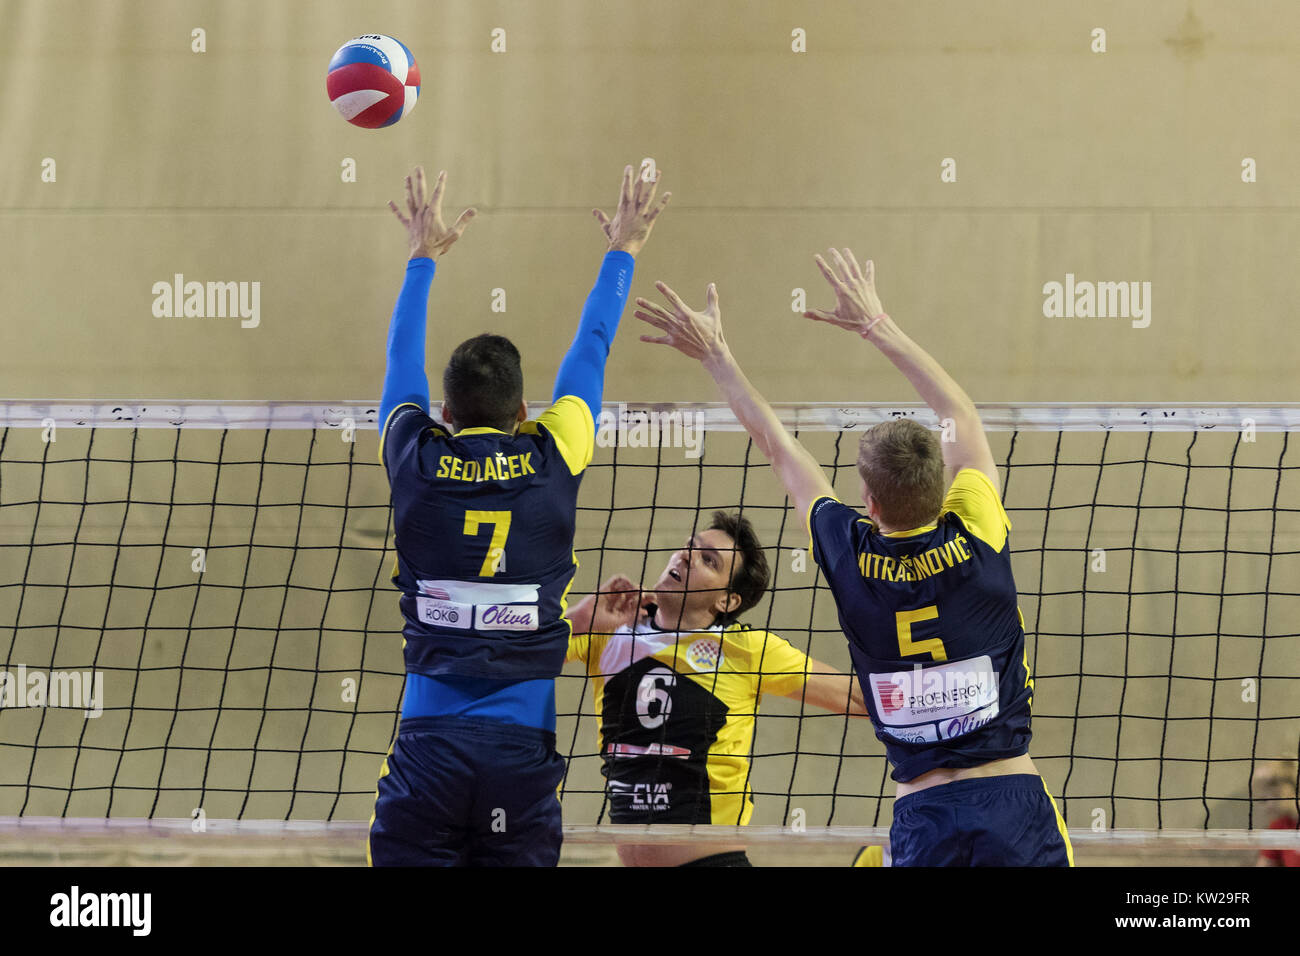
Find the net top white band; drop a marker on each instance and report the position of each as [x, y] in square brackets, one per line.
[713, 416]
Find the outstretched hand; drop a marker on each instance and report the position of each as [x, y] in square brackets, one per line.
[857, 306]
[617, 604]
[697, 335]
[428, 234]
[636, 213]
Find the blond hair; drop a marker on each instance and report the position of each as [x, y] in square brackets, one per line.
[902, 464]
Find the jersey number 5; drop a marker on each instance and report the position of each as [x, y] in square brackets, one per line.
[907, 646]
[500, 521]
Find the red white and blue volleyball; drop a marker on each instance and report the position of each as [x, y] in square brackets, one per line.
[373, 81]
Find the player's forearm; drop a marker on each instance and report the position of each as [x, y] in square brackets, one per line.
[582, 372]
[857, 705]
[797, 470]
[833, 691]
[936, 387]
[405, 381]
[748, 404]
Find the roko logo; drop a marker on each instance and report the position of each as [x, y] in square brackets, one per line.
[441, 612]
[444, 613]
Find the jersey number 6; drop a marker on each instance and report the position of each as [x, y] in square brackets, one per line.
[500, 521]
[649, 695]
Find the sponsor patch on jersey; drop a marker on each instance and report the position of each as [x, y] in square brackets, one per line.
[936, 702]
[480, 592]
[889, 693]
[441, 613]
[958, 726]
[505, 617]
[479, 605]
[704, 654]
[649, 750]
[652, 797]
[920, 734]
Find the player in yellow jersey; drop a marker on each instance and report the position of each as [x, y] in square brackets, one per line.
[923, 586]
[677, 682]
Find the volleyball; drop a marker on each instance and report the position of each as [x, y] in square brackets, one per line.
[373, 81]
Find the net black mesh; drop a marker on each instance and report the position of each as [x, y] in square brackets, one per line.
[267, 685]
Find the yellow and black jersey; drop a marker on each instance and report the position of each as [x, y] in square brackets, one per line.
[484, 525]
[677, 716]
[934, 628]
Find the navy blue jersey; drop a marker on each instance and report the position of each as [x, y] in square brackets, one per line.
[484, 525]
[934, 628]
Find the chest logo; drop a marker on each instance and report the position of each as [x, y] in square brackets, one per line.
[704, 654]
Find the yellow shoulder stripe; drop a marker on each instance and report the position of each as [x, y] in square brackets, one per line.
[973, 498]
[570, 423]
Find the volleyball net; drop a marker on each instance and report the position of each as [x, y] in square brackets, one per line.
[198, 630]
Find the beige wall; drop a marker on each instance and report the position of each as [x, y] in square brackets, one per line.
[225, 166]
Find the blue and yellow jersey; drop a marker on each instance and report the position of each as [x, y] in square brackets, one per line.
[934, 628]
[484, 525]
[677, 716]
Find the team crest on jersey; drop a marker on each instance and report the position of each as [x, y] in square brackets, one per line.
[704, 654]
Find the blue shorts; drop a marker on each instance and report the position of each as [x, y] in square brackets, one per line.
[986, 821]
[457, 791]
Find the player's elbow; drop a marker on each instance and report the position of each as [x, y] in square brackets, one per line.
[966, 418]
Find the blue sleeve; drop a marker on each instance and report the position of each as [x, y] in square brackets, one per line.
[582, 373]
[404, 379]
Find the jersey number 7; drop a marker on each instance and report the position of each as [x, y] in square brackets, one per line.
[500, 521]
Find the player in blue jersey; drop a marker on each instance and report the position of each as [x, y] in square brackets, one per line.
[924, 591]
[484, 505]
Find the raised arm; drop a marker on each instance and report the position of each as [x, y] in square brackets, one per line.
[858, 309]
[698, 335]
[582, 372]
[405, 381]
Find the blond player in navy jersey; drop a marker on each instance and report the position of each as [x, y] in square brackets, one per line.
[924, 590]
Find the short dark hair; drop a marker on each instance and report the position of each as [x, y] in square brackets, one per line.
[902, 464]
[750, 579]
[483, 383]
